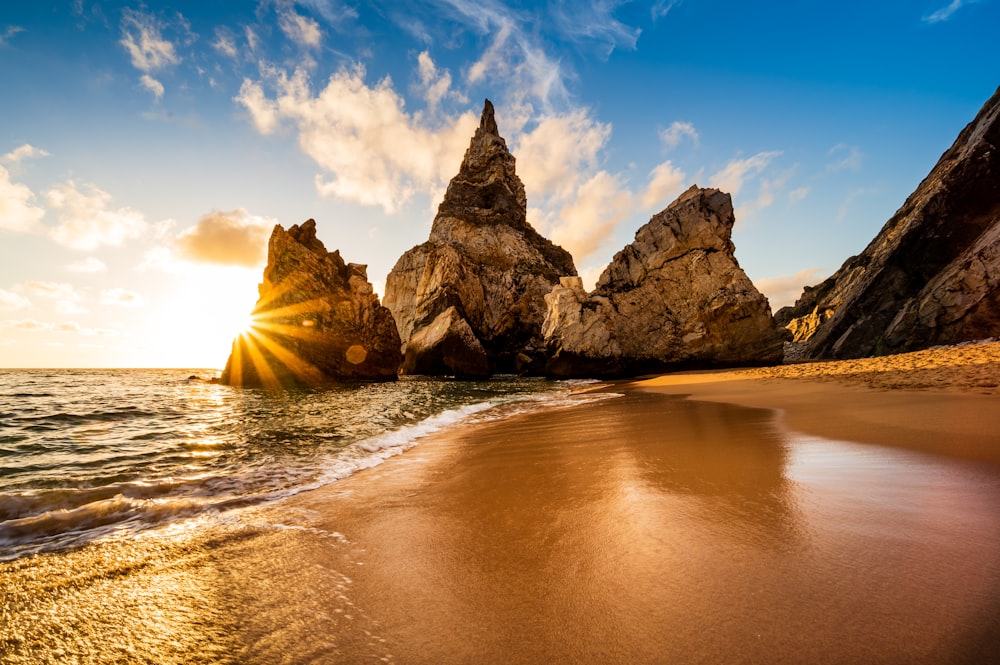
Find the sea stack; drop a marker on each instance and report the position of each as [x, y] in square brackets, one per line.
[674, 298]
[932, 274]
[470, 301]
[317, 320]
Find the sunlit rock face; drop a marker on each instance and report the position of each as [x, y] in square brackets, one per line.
[483, 261]
[676, 297]
[317, 320]
[932, 274]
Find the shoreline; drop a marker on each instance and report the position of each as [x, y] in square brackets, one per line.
[943, 401]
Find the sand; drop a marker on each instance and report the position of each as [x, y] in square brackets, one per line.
[944, 400]
[650, 528]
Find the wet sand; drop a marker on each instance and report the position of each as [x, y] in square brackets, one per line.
[701, 526]
[650, 528]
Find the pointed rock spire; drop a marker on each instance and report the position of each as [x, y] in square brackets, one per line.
[486, 189]
[471, 299]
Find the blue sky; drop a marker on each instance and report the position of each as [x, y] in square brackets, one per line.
[146, 149]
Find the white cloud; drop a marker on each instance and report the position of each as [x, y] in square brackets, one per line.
[151, 84]
[947, 11]
[845, 158]
[19, 154]
[552, 157]
[849, 200]
[90, 264]
[585, 224]
[302, 30]
[371, 150]
[227, 238]
[737, 172]
[676, 132]
[85, 220]
[785, 289]
[11, 300]
[121, 297]
[435, 84]
[18, 213]
[143, 39]
[65, 297]
[665, 182]
[225, 43]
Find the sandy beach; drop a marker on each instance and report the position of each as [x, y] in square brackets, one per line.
[653, 528]
[825, 513]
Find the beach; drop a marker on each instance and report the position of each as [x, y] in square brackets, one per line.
[823, 513]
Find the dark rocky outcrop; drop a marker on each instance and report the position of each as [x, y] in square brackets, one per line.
[674, 298]
[483, 265]
[932, 274]
[317, 320]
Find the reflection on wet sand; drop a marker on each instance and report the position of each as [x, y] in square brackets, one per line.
[641, 529]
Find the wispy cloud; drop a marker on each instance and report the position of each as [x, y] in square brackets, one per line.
[677, 132]
[143, 39]
[87, 220]
[151, 84]
[9, 31]
[594, 23]
[71, 327]
[737, 172]
[65, 297]
[301, 30]
[844, 158]
[21, 153]
[947, 11]
[227, 238]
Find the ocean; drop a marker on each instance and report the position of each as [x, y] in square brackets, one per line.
[101, 454]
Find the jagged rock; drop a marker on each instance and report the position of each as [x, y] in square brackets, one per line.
[931, 275]
[675, 297]
[317, 320]
[484, 260]
[449, 342]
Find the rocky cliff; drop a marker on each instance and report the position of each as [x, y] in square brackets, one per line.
[932, 274]
[470, 300]
[676, 297]
[317, 320]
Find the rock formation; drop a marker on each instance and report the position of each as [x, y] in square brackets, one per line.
[470, 300]
[932, 274]
[317, 320]
[674, 298]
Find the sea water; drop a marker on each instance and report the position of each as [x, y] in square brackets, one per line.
[98, 454]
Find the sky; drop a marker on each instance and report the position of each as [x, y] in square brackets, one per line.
[147, 149]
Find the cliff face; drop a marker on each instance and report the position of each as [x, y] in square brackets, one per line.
[675, 297]
[317, 320]
[932, 274]
[477, 286]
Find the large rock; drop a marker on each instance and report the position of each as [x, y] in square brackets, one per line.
[931, 275]
[674, 298]
[483, 260]
[317, 320]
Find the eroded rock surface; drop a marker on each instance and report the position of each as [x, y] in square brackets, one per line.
[484, 261]
[676, 297]
[317, 320]
[932, 274]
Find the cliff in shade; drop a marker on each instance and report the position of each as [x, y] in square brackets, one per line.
[317, 320]
[470, 301]
[932, 274]
[676, 297]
